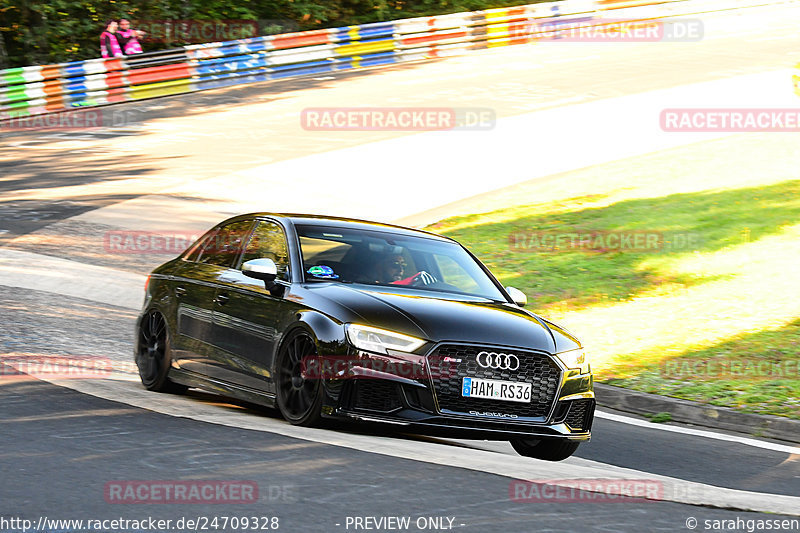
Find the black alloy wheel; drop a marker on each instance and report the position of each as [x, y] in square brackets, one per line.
[152, 355]
[299, 395]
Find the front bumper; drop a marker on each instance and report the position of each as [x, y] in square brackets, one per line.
[402, 390]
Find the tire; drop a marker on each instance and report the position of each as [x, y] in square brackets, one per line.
[299, 398]
[153, 354]
[545, 449]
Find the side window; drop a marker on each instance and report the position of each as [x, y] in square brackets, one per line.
[224, 246]
[201, 244]
[269, 242]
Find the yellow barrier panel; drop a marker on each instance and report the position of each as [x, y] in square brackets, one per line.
[162, 88]
[496, 25]
[365, 48]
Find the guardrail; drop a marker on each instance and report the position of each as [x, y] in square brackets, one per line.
[45, 89]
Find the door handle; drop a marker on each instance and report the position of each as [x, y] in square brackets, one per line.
[180, 291]
[222, 299]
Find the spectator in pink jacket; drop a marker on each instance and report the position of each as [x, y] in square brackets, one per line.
[109, 46]
[128, 39]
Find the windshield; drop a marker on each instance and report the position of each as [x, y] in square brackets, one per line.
[389, 259]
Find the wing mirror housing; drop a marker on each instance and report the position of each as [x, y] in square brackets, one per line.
[517, 296]
[263, 269]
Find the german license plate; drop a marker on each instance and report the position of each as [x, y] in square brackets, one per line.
[495, 389]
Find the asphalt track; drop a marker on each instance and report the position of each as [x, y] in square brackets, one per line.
[61, 191]
[309, 486]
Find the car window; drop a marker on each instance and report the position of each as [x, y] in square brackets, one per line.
[269, 242]
[321, 250]
[224, 247]
[197, 248]
[385, 258]
[454, 274]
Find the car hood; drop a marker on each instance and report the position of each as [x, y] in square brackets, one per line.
[439, 317]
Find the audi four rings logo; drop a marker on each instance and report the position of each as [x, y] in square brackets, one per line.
[498, 361]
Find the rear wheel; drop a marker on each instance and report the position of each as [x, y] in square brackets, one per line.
[299, 397]
[153, 354]
[545, 449]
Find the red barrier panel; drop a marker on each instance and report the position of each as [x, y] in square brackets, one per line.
[162, 73]
[117, 95]
[306, 38]
[425, 39]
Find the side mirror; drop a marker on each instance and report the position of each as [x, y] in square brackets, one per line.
[518, 296]
[263, 269]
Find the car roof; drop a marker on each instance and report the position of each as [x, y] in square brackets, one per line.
[347, 223]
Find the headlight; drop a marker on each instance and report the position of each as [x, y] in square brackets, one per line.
[576, 359]
[380, 340]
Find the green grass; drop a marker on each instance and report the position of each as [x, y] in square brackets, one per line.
[758, 373]
[660, 418]
[731, 296]
[578, 278]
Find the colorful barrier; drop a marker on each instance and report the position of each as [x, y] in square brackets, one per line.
[52, 88]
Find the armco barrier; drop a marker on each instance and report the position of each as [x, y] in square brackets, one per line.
[52, 88]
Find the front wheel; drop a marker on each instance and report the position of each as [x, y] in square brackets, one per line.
[545, 449]
[299, 396]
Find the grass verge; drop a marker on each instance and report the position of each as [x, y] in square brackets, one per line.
[707, 276]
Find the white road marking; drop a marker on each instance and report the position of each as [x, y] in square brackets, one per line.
[794, 450]
[513, 467]
[29, 270]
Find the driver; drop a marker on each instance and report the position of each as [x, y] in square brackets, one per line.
[392, 270]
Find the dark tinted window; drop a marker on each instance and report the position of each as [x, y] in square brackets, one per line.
[223, 247]
[269, 242]
[386, 259]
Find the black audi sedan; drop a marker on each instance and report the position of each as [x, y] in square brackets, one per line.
[335, 319]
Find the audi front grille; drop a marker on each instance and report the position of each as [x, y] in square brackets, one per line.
[538, 369]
